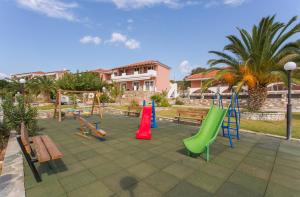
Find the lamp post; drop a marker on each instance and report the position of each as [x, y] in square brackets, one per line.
[289, 67]
[22, 82]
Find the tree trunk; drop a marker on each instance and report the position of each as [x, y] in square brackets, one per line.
[256, 98]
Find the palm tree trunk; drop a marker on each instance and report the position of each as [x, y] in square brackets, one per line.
[256, 98]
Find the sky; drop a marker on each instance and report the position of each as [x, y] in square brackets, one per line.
[47, 35]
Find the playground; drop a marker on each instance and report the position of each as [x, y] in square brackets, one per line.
[121, 165]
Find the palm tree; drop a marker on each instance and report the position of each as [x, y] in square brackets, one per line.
[256, 59]
[41, 86]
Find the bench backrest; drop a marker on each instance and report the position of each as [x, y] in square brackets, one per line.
[191, 112]
[135, 108]
[25, 137]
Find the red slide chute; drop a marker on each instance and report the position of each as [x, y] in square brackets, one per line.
[144, 131]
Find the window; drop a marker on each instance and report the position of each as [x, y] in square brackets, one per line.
[149, 85]
[136, 86]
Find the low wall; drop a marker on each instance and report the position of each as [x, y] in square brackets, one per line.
[277, 116]
[271, 104]
[12, 177]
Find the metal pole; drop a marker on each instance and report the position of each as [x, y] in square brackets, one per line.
[289, 109]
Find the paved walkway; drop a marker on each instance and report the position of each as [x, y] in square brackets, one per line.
[124, 166]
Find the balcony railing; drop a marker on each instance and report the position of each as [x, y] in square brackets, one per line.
[134, 76]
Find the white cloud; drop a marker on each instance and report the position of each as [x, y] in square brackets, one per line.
[51, 8]
[118, 37]
[137, 4]
[132, 44]
[185, 67]
[90, 40]
[233, 2]
[130, 20]
[214, 3]
[121, 38]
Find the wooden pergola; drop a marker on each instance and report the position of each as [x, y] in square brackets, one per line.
[96, 101]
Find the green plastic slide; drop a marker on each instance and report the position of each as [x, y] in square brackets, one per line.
[207, 133]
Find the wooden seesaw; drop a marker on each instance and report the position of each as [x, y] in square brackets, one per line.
[87, 128]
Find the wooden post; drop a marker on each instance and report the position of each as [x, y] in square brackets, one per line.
[93, 106]
[99, 105]
[55, 107]
[59, 105]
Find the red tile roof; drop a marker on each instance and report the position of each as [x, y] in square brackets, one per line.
[203, 75]
[144, 63]
[100, 70]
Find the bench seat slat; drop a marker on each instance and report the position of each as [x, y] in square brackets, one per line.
[51, 148]
[41, 150]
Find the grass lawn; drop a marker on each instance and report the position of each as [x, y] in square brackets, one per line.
[270, 127]
[273, 127]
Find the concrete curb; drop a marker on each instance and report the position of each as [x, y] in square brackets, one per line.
[12, 177]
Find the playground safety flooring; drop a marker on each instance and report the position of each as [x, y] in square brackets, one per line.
[123, 166]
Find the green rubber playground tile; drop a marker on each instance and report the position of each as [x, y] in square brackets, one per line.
[230, 189]
[254, 171]
[93, 161]
[187, 190]
[127, 161]
[225, 162]
[178, 170]
[120, 181]
[142, 170]
[287, 181]
[77, 180]
[71, 169]
[258, 163]
[86, 155]
[278, 190]
[94, 189]
[51, 189]
[139, 190]
[252, 183]
[143, 155]
[205, 181]
[113, 155]
[162, 181]
[105, 169]
[211, 169]
[159, 162]
[263, 157]
[285, 170]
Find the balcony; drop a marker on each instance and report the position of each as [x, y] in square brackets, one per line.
[134, 77]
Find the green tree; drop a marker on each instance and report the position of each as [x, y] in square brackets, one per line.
[81, 81]
[256, 58]
[198, 70]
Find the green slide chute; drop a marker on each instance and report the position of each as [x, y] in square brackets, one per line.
[207, 133]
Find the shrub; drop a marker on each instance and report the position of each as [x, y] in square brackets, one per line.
[3, 134]
[179, 102]
[104, 98]
[134, 103]
[157, 98]
[15, 114]
[160, 100]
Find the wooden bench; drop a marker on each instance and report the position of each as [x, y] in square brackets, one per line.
[190, 114]
[87, 128]
[133, 111]
[44, 149]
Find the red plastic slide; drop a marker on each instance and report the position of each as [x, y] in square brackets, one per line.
[144, 131]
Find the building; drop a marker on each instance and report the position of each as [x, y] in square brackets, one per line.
[275, 90]
[142, 76]
[53, 74]
[145, 76]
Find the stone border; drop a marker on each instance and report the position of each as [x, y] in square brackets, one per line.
[12, 177]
